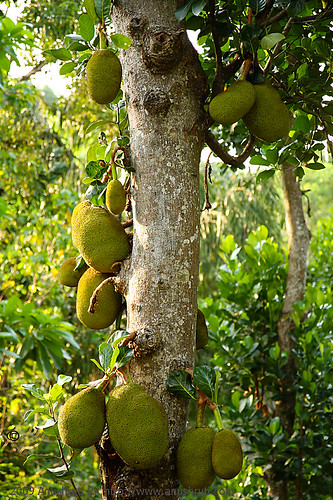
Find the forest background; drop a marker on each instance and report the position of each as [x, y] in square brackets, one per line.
[46, 141]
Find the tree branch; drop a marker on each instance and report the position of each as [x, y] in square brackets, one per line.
[219, 151]
[34, 70]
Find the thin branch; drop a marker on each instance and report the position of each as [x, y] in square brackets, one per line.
[94, 301]
[127, 223]
[34, 70]
[278, 46]
[207, 202]
[219, 151]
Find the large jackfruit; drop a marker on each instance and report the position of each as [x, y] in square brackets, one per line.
[67, 274]
[108, 301]
[77, 209]
[194, 458]
[227, 454]
[231, 105]
[99, 237]
[138, 426]
[103, 76]
[82, 418]
[269, 118]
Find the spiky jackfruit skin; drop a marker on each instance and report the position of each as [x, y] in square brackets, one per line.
[108, 301]
[103, 76]
[115, 197]
[77, 209]
[227, 455]
[67, 275]
[138, 426]
[269, 118]
[201, 331]
[194, 458]
[231, 105]
[82, 418]
[99, 237]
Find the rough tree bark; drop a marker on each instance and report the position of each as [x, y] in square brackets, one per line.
[164, 89]
[299, 239]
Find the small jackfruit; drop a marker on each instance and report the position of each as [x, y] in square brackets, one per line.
[82, 418]
[103, 76]
[138, 426]
[99, 237]
[115, 197]
[227, 455]
[231, 105]
[77, 209]
[67, 274]
[194, 458]
[201, 331]
[108, 301]
[269, 118]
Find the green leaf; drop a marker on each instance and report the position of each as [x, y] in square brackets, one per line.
[204, 378]
[49, 427]
[315, 166]
[87, 27]
[274, 352]
[257, 5]
[180, 384]
[198, 6]
[97, 364]
[89, 5]
[39, 410]
[97, 124]
[55, 394]
[35, 391]
[294, 7]
[62, 54]
[61, 471]
[103, 9]
[302, 70]
[269, 41]
[95, 169]
[235, 398]
[121, 41]
[228, 245]
[302, 123]
[117, 337]
[259, 160]
[105, 355]
[125, 355]
[66, 68]
[266, 174]
[182, 12]
[249, 36]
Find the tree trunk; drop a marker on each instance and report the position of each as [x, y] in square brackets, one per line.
[299, 239]
[164, 88]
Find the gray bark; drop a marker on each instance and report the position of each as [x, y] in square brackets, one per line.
[164, 89]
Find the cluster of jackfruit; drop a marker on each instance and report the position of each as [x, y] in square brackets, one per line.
[137, 423]
[101, 240]
[202, 455]
[259, 106]
[103, 76]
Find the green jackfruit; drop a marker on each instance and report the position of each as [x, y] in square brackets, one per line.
[232, 104]
[138, 426]
[269, 118]
[99, 237]
[194, 458]
[77, 209]
[103, 76]
[201, 331]
[82, 418]
[115, 197]
[108, 301]
[67, 275]
[227, 455]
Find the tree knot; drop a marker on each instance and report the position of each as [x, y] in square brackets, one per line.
[162, 50]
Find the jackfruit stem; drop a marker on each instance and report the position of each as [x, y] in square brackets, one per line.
[245, 69]
[114, 170]
[218, 418]
[102, 39]
[200, 416]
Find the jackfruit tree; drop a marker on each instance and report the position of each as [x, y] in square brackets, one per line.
[246, 93]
